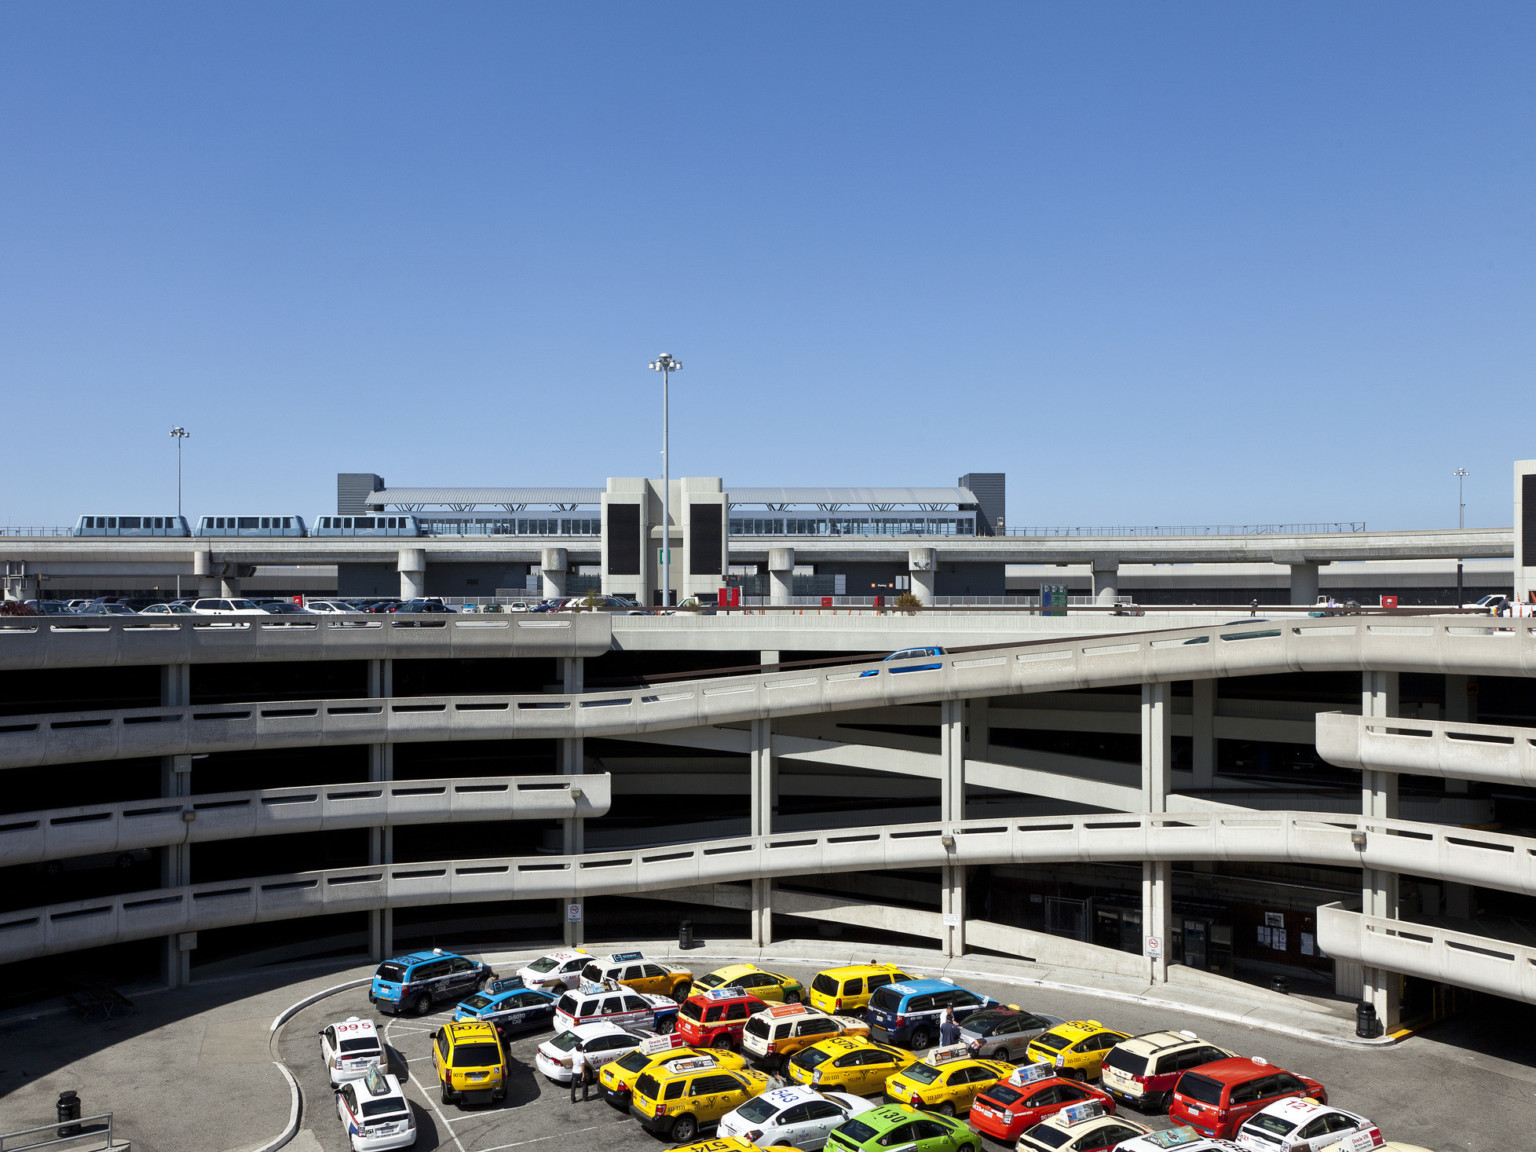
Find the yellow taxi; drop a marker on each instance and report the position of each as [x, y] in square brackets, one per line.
[617, 1079]
[633, 970]
[1075, 1048]
[946, 1080]
[470, 1063]
[733, 1144]
[675, 1098]
[765, 985]
[775, 1034]
[848, 989]
[848, 1064]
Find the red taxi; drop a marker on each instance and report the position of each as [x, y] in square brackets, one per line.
[714, 1019]
[1215, 1099]
[1031, 1094]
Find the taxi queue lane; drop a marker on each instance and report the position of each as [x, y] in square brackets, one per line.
[1391, 1086]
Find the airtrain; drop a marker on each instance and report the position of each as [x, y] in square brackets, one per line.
[259, 526]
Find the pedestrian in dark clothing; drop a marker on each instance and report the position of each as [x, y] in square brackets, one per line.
[949, 1031]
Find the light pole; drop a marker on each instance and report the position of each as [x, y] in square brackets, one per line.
[1461, 475]
[178, 434]
[666, 366]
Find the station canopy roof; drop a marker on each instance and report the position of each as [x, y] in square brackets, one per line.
[468, 499]
[516, 499]
[843, 497]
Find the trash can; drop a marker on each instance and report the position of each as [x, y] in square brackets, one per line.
[1365, 1020]
[685, 935]
[69, 1109]
[1281, 985]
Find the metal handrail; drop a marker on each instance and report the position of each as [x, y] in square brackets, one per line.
[1196, 529]
[25, 530]
[82, 1134]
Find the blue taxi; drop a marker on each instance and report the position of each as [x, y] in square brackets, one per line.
[415, 982]
[909, 1014]
[510, 1006]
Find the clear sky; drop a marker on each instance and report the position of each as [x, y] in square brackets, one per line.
[1160, 263]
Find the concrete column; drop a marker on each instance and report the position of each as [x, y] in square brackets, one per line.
[205, 580]
[781, 575]
[413, 573]
[952, 808]
[381, 841]
[765, 798]
[176, 861]
[573, 828]
[768, 657]
[229, 585]
[1303, 583]
[556, 563]
[1106, 578]
[978, 728]
[1457, 711]
[1204, 733]
[922, 568]
[1378, 889]
[1156, 876]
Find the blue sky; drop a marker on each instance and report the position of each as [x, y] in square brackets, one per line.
[1193, 263]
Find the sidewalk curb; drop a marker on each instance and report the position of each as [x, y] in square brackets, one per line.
[295, 1108]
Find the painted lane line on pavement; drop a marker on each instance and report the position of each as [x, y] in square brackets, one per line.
[556, 1136]
[432, 1104]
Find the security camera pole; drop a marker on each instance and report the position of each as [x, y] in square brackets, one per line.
[666, 366]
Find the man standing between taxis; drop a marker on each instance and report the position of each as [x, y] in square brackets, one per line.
[581, 1071]
[949, 1031]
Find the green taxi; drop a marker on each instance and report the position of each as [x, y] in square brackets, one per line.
[901, 1126]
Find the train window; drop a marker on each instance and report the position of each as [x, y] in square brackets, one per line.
[111, 521]
[248, 522]
[87, 521]
[159, 522]
[266, 521]
[364, 521]
[287, 521]
[130, 522]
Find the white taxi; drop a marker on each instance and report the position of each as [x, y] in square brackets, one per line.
[349, 1047]
[600, 1042]
[375, 1112]
[1180, 1139]
[1084, 1127]
[798, 1116]
[1300, 1124]
[613, 1003]
[555, 971]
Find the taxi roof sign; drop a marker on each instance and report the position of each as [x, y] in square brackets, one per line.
[1029, 1073]
[729, 992]
[690, 1063]
[654, 1044]
[1078, 1113]
[624, 957]
[780, 1010]
[947, 1054]
[375, 1080]
[1173, 1137]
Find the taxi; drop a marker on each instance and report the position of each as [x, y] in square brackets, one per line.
[770, 986]
[1075, 1049]
[470, 1063]
[375, 1112]
[1142, 1071]
[617, 1079]
[348, 1047]
[911, 1012]
[848, 1064]
[715, 1019]
[555, 971]
[612, 1003]
[1216, 1099]
[1085, 1127]
[601, 1043]
[799, 1117]
[518, 1009]
[1301, 1125]
[894, 1126]
[730, 1144]
[775, 1034]
[633, 970]
[1027, 1096]
[675, 1098]
[414, 982]
[848, 989]
[946, 1080]
[1180, 1139]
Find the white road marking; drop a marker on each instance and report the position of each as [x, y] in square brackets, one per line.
[556, 1136]
[432, 1104]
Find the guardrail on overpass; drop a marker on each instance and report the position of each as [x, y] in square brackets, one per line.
[1487, 859]
[1428, 644]
[1493, 753]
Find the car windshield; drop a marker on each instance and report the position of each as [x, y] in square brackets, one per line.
[1127, 1062]
[543, 964]
[713, 980]
[885, 999]
[565, 1041]
[1050, 1137]
[1267, 1122]
[856, 1131]
[476, 1055]
[478, 1000]
[1002, 1094]
[372, 1109]
[756, 1110]
[633, 1061]
[1051, 1042]
[808, 1058]
[360, 1045]
[390, 972]
[691, 1010]
[1201, 1088]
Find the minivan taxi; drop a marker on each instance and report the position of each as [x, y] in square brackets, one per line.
[633, 970]
[1142, 1071]
[674, 1099]
[909, 1013]
[848, 989]
[413, 983]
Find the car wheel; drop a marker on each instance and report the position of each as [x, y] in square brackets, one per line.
[921, 1038]
[945, 1109]
[680, 993]
[559, 989]
[446, 1093]
[723, 1042]
[791, 997]
[1163, 1101]
[966, 1148]
[666, 1025]
[685, 1129]
[1002, 1054]
[422, 1004]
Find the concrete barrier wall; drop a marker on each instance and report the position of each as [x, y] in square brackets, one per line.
[98, 641]
[1481, 858]
[31, 837]
[1429, 644]
[1481, 963]
[1495, 753]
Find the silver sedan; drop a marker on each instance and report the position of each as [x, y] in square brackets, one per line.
[1003, 1033]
